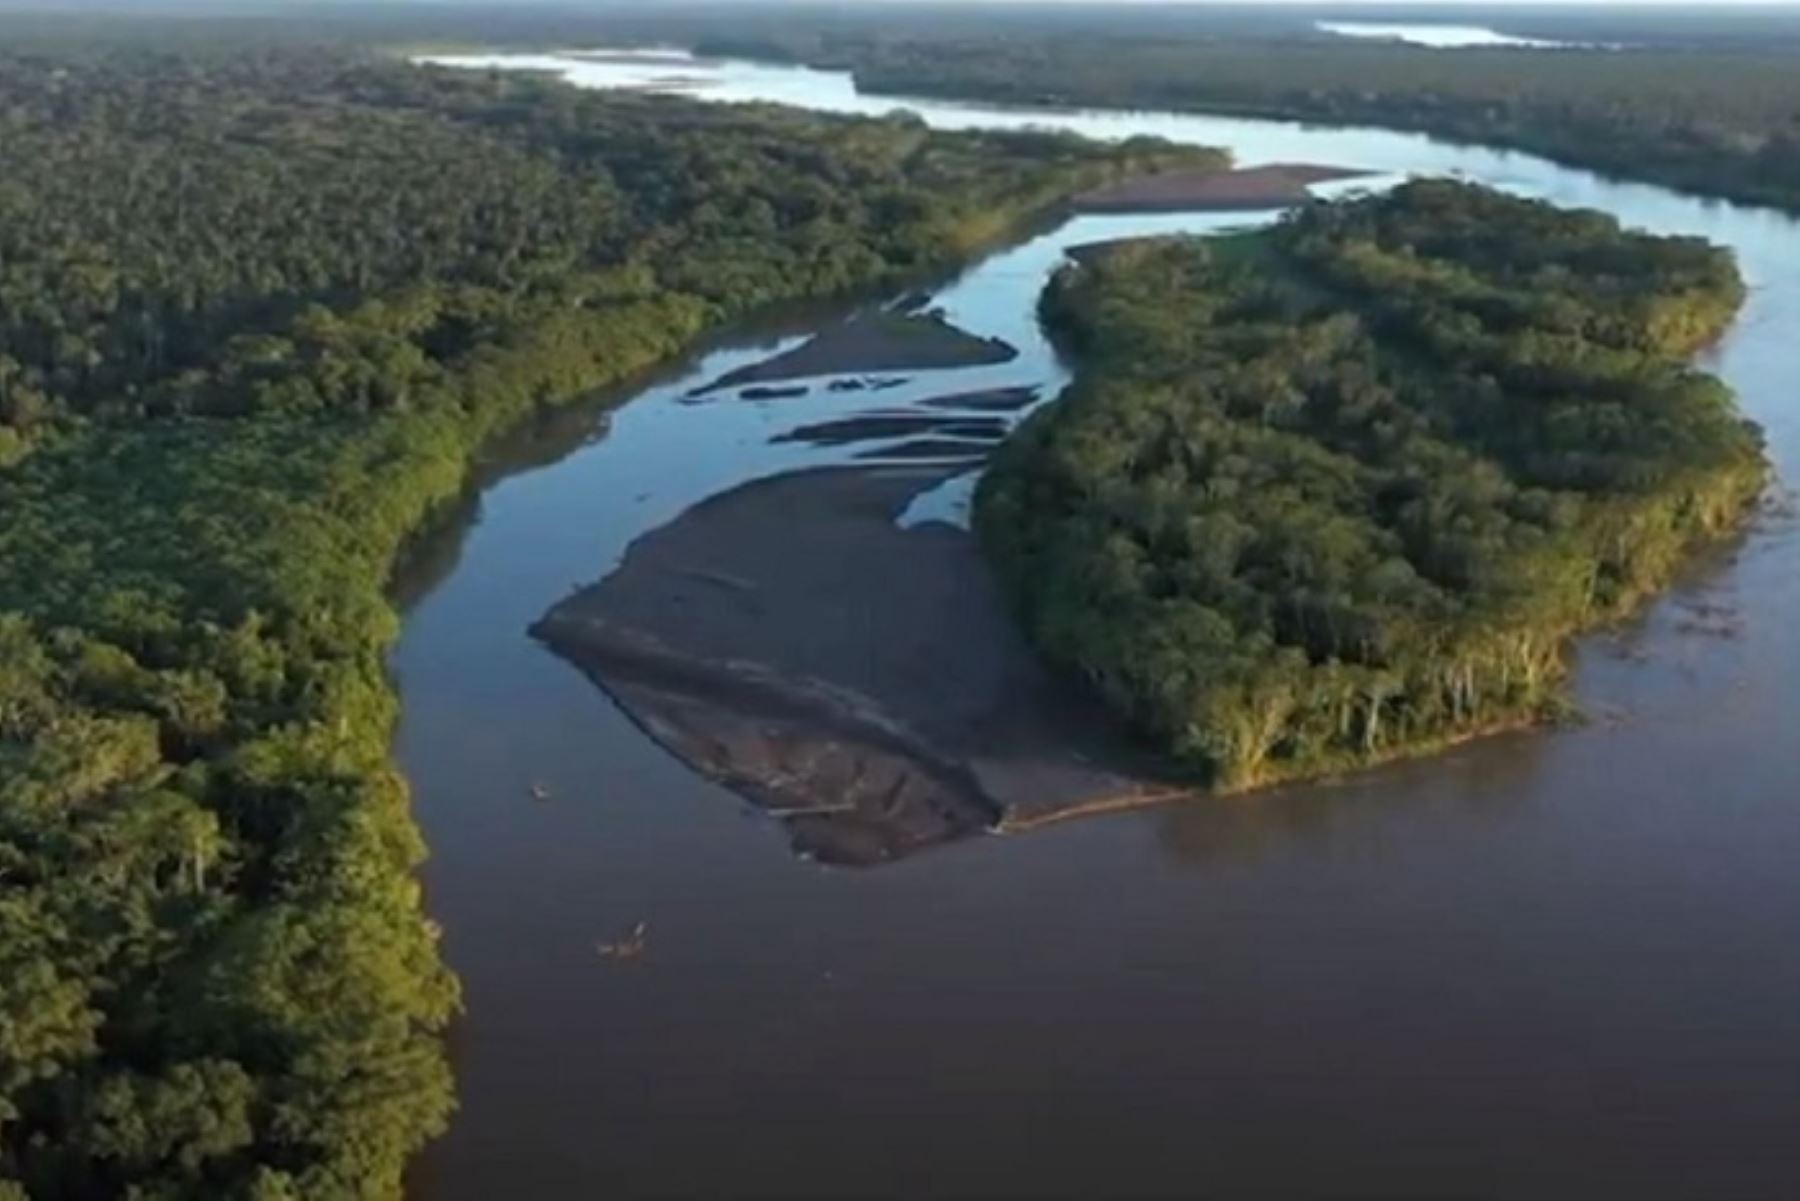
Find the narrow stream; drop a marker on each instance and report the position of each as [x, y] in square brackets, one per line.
[1558, 964]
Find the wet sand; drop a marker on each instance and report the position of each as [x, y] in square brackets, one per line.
[871, 342]
[863, 682]
[1276, 185]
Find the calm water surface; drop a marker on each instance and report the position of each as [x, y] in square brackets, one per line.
[1436, 35]
[1556, 965]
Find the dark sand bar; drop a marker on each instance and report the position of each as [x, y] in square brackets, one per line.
[1276, 185]
[877, 427]
[863, 682]
[874, 342]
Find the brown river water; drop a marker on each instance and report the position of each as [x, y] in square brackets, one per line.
[1559, 964]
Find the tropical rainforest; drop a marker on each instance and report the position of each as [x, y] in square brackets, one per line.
[259, 312]
[1343, 490]
[1317, 498]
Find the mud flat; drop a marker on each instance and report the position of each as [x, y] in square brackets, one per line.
[862, 682]
[1276, 185]
[873, 342]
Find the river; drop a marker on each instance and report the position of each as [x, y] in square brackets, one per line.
[1560, 964]
[1440, 36]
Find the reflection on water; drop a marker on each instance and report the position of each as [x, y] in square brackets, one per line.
[436, 552]
[1553, 965]
[1482, 782]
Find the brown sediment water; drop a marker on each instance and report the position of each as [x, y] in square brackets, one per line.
[1550, 964]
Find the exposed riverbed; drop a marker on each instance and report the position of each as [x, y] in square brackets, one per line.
[863, 682]
[1554, 964]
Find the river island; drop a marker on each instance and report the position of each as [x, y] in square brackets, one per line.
[1321, 496]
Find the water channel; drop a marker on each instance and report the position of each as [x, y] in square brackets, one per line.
[1557, 964]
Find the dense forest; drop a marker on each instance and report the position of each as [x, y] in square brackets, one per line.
[1343, 490]
[258, 311]
[1701, 97]
[1732, 25]
[1711, 120]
